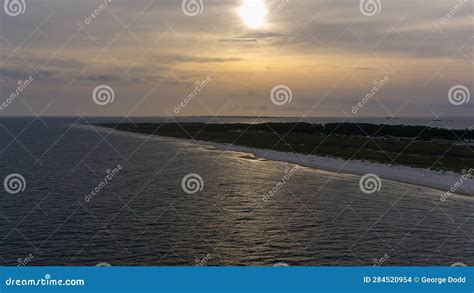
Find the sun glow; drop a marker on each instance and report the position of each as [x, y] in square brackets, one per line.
[254, 13]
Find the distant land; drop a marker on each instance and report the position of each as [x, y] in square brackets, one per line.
[412, 146]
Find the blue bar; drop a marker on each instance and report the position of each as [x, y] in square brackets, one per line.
[237, 279]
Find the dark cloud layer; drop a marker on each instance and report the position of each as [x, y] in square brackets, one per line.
[328, 52]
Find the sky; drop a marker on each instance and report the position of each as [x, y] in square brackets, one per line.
[294, 58]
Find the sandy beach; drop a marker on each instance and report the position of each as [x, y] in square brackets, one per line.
[448, 182]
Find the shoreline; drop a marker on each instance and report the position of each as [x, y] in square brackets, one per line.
[439, 181]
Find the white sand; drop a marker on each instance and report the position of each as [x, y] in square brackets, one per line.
[443, 181]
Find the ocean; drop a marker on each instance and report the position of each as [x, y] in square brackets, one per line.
[90, 197]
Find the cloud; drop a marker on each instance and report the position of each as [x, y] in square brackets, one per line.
[255, 37]
[149, 48]
[14, 74]
[365, 68]
[399, 30]
[202, 59]
[103, 78]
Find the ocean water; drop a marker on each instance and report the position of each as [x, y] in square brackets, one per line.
[144, 216]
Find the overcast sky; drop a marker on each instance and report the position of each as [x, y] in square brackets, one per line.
[153, 54]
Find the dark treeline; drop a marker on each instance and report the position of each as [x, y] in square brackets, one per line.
[347, 129]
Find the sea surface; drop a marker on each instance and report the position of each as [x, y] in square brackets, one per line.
[142, 214]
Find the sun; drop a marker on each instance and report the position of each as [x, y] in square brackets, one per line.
[254, 13]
